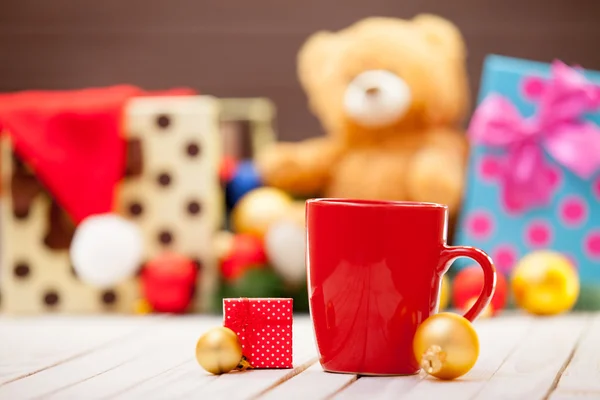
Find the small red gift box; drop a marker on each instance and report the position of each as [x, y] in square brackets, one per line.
[264, 327]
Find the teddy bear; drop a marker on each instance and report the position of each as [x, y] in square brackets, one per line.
[391, 95]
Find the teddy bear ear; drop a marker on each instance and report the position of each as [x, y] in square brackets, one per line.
[452, 101]
[318, 67]
[315, 57]
[443, 34]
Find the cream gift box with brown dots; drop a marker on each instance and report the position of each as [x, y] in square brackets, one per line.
[170, 190]
[246, 126]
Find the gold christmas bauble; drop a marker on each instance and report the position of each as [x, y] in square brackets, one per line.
[142, 307]
[545, 283]
[446, 345]
[219, 350]
[258, 209]
[223, 244]
[487, 312]
[444, 293]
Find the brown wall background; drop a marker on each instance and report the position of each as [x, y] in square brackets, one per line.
[248, 47]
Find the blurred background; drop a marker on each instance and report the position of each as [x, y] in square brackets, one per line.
[235, 48]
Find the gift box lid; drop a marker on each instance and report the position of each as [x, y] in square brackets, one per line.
[501, 74]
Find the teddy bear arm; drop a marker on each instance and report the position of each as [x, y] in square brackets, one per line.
[299, 168]
[451, 141]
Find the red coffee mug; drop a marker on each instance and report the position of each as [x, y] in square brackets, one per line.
[374, 274]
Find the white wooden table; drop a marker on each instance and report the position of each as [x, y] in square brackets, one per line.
[152, 357]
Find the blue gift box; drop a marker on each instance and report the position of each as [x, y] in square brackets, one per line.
[566, 219]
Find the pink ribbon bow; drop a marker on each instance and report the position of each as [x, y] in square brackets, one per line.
[557, 128]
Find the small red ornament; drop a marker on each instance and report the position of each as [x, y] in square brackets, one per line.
[246, 251]
[227, 169]
[168, 282]
[264, 328]
[467, 285]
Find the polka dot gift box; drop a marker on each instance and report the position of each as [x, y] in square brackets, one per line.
[264, 327]
[534, 176]
[96, 184]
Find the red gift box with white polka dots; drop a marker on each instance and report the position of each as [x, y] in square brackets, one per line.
[264, 327]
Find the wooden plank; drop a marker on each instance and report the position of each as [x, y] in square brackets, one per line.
[174, 348]
[582, 375]
[69, 60]
[189, 380]
[385, 387]
[174, 383]
[253, 383]
[247, 385]
[498, 338]
[89, 371]
[228, 45]
[577, 395]
[29, 345]
[313, 383]
[530, 372]
[309, 15]
[153, 358]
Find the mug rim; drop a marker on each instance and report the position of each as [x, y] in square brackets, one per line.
[372, 203]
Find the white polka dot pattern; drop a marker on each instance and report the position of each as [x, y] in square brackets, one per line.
[264, 327]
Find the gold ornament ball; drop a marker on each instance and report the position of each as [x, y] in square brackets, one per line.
[219, 350]
[142, 307]
[487, 312]
[545, 283]
[258, 209]
[444, 293]
[223, 244]
[446, 345]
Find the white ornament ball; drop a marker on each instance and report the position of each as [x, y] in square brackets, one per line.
[285, 244]
[106, 249]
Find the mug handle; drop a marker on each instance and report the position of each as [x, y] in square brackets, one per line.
[451, 253]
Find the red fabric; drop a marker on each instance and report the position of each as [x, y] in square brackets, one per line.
[73, 141]
[168, 282]
[264, 327]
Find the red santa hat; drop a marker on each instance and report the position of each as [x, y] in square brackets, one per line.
[73, 141]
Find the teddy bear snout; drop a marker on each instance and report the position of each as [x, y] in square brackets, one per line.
[372, 91]
[376, 98]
